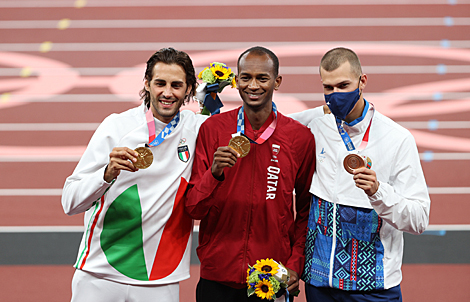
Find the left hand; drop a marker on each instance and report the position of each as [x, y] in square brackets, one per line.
[366, 179]
[293, 284]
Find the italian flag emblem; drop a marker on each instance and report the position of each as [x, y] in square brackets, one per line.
[183, 153]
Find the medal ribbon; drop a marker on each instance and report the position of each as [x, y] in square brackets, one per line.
[266, 133]
[155, 140]
[345, 136]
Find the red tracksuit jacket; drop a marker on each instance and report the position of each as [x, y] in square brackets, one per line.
[250, 214]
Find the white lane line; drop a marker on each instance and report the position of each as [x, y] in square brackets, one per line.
[230, 23]
[189, 3]
[86, 98]
[318, 97]
[449, 190]
[441, 125]
[86, 71]
[208, 46]
[411, 96]
[448, 227]
[30, 192]
[407, 69]
[433, 69]
[41, 229]
[93, 126]
[32, 158]
[298, 70]
[79, 229]
[41, 153]
[445, 156]
[58, 192]
[37, 159]
[48, 126]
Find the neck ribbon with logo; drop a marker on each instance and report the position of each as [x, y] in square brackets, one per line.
[345, 136]
[266, 133]
[155, 140]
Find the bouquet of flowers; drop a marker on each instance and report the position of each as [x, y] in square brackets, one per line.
[266, 278]
[214, 79]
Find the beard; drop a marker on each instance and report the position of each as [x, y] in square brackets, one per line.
[165, 114]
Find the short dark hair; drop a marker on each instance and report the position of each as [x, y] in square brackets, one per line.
[337, 56]
[170, 56]
[259, 50]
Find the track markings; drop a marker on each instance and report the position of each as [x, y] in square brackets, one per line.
[234, 23]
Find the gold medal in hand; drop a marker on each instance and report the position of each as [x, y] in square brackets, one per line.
[144, 159]
[240, 144]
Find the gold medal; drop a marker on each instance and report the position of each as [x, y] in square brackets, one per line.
[352, 162]
[240, 144]
[145, 158]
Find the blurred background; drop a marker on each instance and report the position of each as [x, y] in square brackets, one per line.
[67, 64]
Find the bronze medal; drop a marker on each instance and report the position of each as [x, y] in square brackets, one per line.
[352, 162]
[240, 144]
[145, 158]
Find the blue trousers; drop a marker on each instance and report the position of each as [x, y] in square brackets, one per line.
[327, 294]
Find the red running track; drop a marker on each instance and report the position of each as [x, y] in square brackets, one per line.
[416, 57]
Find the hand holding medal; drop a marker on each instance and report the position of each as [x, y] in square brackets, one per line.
[120, 158]
[354, 161]
[145, 158]
[226, 157]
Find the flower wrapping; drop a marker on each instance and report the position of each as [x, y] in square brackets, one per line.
[214, 79]
[266, 278]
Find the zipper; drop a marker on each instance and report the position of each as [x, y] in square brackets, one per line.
[333, 248]
[249, 213]
[333, 239]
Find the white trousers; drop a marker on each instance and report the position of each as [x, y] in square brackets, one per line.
[89, 288]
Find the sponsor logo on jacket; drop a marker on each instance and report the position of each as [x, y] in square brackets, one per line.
[322, 155]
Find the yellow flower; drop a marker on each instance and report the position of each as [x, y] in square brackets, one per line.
[200, 74]
[267, 266]
[264, 289]
[220, 70]
[234, 83]
[248, 277]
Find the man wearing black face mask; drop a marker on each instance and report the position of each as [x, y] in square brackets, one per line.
[368, 189]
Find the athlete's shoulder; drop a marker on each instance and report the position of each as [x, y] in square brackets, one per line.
[222, 118]
[128, 119]
[192, 120]
[292, 125]
[387, 125]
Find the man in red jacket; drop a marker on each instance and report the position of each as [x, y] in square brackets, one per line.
[246, 204]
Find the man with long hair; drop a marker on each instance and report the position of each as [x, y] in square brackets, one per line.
[130, 183]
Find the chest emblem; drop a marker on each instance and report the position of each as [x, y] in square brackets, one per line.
[322, 155]
[183, 153]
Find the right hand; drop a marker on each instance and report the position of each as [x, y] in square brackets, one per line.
[223, 157]
[121, 158]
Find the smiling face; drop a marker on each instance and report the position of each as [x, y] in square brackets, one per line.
[256, 80]
[167, 90]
